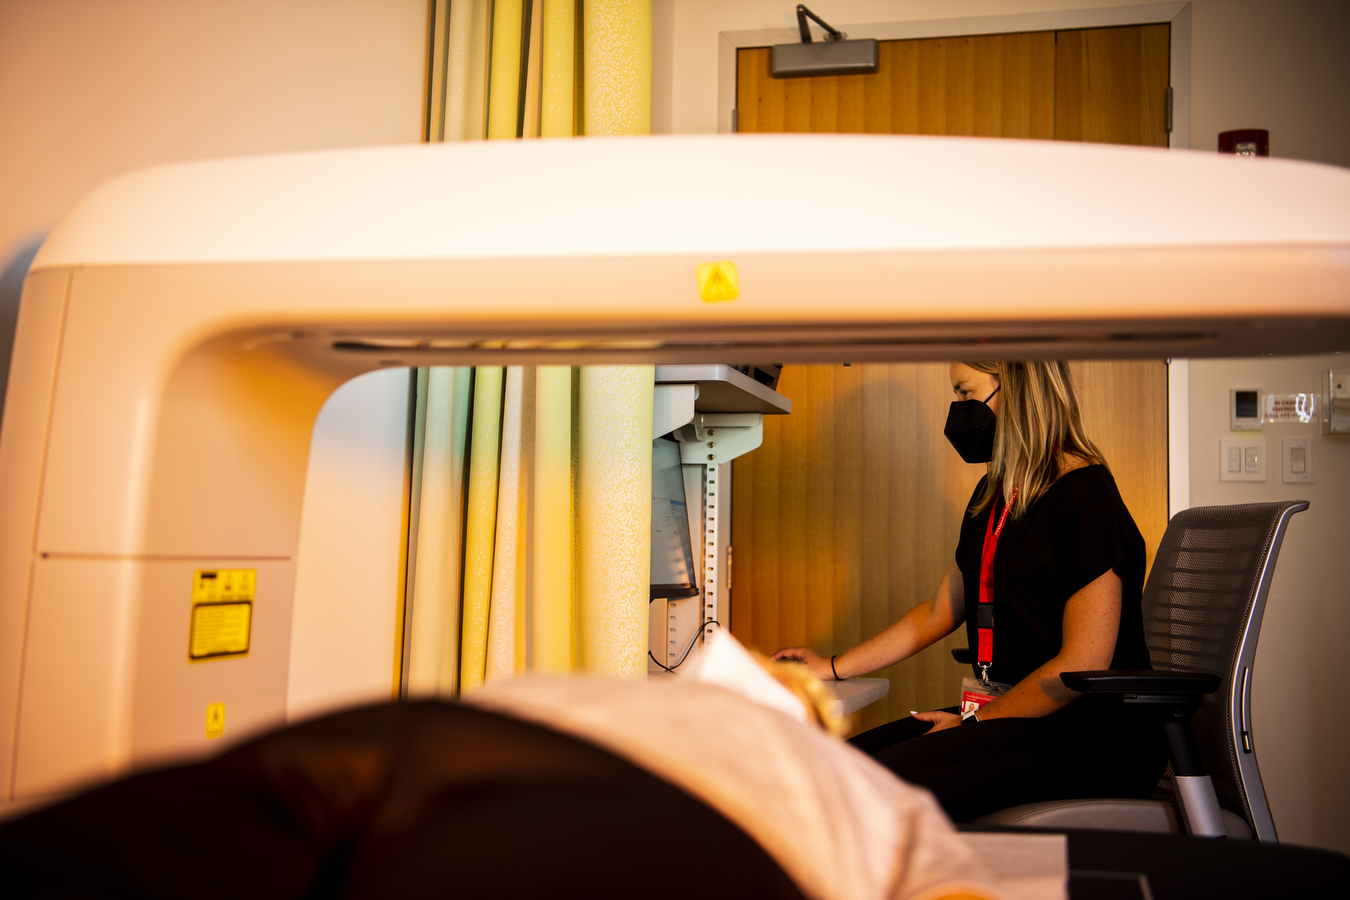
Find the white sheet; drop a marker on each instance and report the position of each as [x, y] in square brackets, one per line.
[840, 825]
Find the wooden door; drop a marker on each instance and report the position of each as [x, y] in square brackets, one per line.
[991, 86]
[1104, 85]
[848, 513]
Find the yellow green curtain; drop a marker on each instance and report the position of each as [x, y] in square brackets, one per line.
[507, 620]
[530, 535]
[433, 641]
[615, 473]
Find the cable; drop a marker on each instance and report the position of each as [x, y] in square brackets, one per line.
[687, 647]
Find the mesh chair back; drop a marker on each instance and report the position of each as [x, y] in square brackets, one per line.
[1202, 610]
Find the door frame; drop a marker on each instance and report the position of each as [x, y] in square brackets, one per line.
[1178, 15]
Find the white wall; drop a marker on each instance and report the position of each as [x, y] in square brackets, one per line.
[91, 89]
[1254, 64]
[1299, 719]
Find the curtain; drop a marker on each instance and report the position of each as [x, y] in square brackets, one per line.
[530, 536]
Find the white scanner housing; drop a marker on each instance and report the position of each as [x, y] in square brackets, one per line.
[181, 328]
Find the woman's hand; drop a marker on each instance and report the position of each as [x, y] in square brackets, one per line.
[941, 720]
[926, 623]
[816, 664]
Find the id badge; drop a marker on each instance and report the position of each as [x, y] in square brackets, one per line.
[976, 693]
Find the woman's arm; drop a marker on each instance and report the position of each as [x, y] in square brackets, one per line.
[1091, 624]
[926, 623]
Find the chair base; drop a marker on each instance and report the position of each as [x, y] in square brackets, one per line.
[1111, 815]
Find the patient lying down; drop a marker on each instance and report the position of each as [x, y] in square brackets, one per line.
[529, 788]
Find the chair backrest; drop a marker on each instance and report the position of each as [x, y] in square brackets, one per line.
[1203, 605]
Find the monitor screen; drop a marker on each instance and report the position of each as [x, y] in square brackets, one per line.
[672, 549]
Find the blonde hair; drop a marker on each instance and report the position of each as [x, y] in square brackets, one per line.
[818, 700]
[1038, 414]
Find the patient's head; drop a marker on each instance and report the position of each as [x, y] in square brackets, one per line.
[807, 688]
[789, 687]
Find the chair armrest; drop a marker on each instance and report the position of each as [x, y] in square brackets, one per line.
[1124, 681]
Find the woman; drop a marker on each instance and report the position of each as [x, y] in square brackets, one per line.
[1062, 566]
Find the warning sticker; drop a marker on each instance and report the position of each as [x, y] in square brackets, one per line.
[215, 720]
[718, 281]
[220, 629]
[222, 612]
[215, 585]
[1290, 408]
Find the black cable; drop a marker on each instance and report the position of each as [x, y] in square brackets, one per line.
[687, 647]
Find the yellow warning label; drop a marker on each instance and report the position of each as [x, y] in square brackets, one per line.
[718, 281]
[215, 720]
[217, 585]
[222, 612]
[220, 629]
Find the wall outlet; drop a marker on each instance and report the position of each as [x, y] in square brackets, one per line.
[1298, 461]
[1242, 459]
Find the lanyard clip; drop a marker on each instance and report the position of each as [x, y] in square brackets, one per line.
[984, 673]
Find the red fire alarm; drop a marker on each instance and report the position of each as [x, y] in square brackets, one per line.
[1245, 142]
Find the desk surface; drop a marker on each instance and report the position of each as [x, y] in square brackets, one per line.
[852, 694]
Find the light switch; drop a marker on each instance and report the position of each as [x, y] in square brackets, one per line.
[1298, 461]
[1242, 459]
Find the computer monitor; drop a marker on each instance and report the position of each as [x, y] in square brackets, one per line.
[672, 550]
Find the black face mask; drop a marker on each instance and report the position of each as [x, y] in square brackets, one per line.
[970, 428]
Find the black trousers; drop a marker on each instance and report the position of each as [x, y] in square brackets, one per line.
[414, 801]
[1094, 750]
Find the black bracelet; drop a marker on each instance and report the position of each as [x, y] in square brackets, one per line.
[834, 671]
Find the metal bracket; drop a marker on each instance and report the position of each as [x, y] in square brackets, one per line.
[719, 437]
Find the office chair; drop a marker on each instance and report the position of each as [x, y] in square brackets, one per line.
[1202, 608]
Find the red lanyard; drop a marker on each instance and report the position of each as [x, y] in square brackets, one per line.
[984, 619]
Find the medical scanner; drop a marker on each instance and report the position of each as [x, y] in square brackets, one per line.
[181, 328]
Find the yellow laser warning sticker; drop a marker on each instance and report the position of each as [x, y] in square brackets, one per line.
[718, 281]
[220, 629]
[217, 585]
[215, 720]
[222, 612]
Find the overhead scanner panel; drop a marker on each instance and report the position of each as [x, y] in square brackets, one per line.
[181, 328]
[917, 248]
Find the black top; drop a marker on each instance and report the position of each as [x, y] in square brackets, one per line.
[1075, 533]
